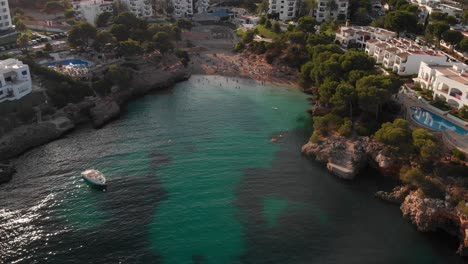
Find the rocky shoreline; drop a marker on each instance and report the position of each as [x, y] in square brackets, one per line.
[347, 157]
[96, 110]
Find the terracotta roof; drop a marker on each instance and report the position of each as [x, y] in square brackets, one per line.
[372, 41]
[381, 45]
[392, 49]
[363, 33]
[350, 30]
[403, 54]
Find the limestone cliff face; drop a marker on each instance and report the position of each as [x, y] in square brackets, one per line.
[149, 77]
[347, 157]
[434, 214]
[103, 111]
[26, 137]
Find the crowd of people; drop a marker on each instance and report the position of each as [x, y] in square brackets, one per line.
[71, 70]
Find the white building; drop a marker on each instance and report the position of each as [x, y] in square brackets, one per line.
[15, 80]
[449, 81]
[5, 17]
[89, 10]
[187, 8]
[357, 36]
[140, 8]
[337, 9]
[286, 9]
[401, 55]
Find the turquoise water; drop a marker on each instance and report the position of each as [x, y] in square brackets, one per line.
[430, 120]
[193, 177]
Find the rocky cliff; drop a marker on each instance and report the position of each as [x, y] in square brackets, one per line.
[347, 157]
[29, 136]
[434, 214]
[149, 77]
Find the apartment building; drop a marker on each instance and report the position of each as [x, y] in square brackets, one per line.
[357, 36]
[140, 8]
[15, 80]
[337, 9]
[89, 10]
[287, 9]
[401, 55]
[5, 17]
[187, 8]
[448, 80]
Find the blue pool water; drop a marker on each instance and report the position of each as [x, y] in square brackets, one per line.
[75, 63]
[435, 122]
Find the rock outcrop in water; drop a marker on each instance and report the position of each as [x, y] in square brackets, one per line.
[429, 214]
[29, 136]
[347, 157]
[396, 196]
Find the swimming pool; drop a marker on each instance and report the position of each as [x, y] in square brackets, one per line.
[75, 63]
[435, 122]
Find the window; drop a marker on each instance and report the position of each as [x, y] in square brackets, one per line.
[3, 3]
[7, 23]
[24, 72]
[5, 17]
[4, 10]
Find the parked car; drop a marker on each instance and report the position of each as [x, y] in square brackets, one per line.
[2, 48]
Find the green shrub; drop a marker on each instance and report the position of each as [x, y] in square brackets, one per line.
[462, 208]
[458, 154]
[362, 131]
[424, 142]
[183, 56]
[396, 134]
[102, 87]
[327, 123]
[457, 194]
[315, 138]
[412, 176]
[346, 129]
[417, 87]
[239, 47]
[433, 187]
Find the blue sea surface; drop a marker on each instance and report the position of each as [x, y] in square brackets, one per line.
[194, 177]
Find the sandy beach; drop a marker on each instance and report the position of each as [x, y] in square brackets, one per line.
[226, 63]
[211, 54]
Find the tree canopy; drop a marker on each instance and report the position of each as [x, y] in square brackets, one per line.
[81, 33]
[374, 91]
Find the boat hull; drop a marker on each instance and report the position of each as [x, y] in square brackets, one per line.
[94, 184]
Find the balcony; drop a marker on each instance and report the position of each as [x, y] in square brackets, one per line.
[456, 93]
